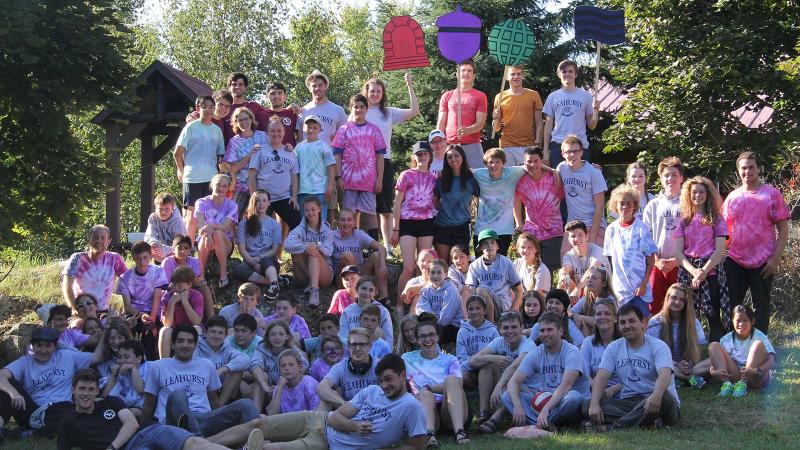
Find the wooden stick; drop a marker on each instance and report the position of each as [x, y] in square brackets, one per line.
[597, 70]
[500, 101]
[458, 104]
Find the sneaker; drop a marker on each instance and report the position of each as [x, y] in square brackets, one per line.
[389, 252]
[284, 281]
[739, 389]
[255, 440]
[697, 382]
[272, 291]
[313, 297]
[183, 422]
[726, 389]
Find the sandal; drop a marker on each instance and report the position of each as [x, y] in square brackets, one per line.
[485, 415]
[431, 442]
[461, 437]
[489, 426]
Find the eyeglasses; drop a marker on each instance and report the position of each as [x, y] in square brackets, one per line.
[332, 350]
[427, 336]
[358, 344]
[572, 152]
[84, 304]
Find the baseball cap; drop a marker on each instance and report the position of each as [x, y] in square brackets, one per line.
[350, 269]
[434, 134]
[487, 234]
[420, 146]
[310, 118]
[45, 334]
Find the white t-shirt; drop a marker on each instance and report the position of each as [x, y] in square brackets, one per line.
[391, 419]
[500, 347]
[545, 370]
[385, 123]
[663, 215]
[571, 111]
[638, 368]
[628, 249]
[538, 280]
[581, 264]
[592, 355]
[195, 377]
[349, 320]
[331, 115]
[739, 349]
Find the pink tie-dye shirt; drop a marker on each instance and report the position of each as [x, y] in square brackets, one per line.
[95, 277]
[541, 199]
[357, 144]
[751, 217]
[417, 188]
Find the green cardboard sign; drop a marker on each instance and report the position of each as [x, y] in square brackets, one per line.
[511, 42]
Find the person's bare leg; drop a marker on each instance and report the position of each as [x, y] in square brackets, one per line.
[408, 250]
[300, 265]
[258, 397]
[257, 278]
[205, 247]
[487, 379]
[443, 250]
[229, 386]
[372, 268]
[208, 300]
[756, 357]
[456, 402]
[198, 443]
[164, 342]
[324, 272]
[237, 435]
[429, 405]
[190, 222]
[221, 248]
[386, 228]
[722, 361]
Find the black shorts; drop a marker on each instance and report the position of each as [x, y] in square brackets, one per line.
[451, 236]
[193, 192]
[286, 212]
[384, 202]
[416, 228]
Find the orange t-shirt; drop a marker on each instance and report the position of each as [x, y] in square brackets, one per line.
[517, 117]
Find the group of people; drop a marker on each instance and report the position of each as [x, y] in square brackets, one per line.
[594, 325]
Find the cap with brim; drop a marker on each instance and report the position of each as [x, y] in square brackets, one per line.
[317, 73]
[44, 335]
[421, 146]
[434, 134]
[350, 269]
[311, 118]
[487, 234]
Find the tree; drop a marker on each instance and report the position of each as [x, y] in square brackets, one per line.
[59, 58]
[688, 65]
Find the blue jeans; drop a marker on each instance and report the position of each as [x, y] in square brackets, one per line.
[212, 422]
[301, 198]
[158, 437]
[566, 412]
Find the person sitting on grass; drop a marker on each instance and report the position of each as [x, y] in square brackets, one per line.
[534, 274]
[442, 299]
[370, 318]
[182, 257]
[311, 246]
[410, 293]
[435, 380]
[127, 377]
[328, 325]
[163, 225]
[457, 272]
[350, 375]
[644, 366]
[294, 391]
[332, 350]
[492, 276]
[678, 327]
[348, 246]
[496, 364]
[230, 364]
[742, 358]
[407, 335]
[581, 256]
[533, 306]
[180, 305]
[594, 285]
[557, 302]
[108, 423]
[366, 288]
[555, 367]
[216, 217]
[379, 416]
[248, 296]
[473, 336]
[286, 310]
[606, 330]
[141, 288]
[259, 240]
[44, 377]
[87, 307]
[58, 319]
[264, 363]
[244, 338]
[92, 326]
[346, 296]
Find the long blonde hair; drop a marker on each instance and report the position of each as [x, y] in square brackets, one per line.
[688, 346]
[591, 297]
[401, 344]
[711, 207]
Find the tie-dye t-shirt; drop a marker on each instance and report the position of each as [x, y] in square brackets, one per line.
[751, 217]
[314, 158]
[95, 277]
[170, 264]
[238, 147]
[139, 287]
[213, 214]
[358, 144]
[417, 187]
[628, 249]
[496, 203]
[541, 199]
[422, 371]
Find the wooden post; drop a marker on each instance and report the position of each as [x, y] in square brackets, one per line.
[500, 98]
[147, 172]
[597, 69]
[458, 103]
[113, 181]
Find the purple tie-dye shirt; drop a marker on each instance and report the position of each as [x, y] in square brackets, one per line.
[139, 287]
[417, 188]
[358, 144]
[302, 397]
[95, 277]
[213, 214]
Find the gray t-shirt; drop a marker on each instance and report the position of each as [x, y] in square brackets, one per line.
[196, 377]
[663, 215]
[580, 187]
[638, 368]
[274, 170]
[348, 382]
[545, 370]
[163, 232]
[268, 238]
[331, 115]
[581, 264]
[354, 244]
[499, 277]
[571, 111]
[50, 381]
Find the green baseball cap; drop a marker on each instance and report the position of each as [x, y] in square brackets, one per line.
[487, 234]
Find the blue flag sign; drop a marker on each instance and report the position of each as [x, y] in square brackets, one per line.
[596, 24]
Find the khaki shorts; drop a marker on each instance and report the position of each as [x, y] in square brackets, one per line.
[304, 430]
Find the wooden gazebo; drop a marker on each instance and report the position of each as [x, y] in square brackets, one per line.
[166, 95]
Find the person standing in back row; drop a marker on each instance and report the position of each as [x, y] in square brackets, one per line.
[569, 110]
[473, 115]
[518, 115]
[331, 115]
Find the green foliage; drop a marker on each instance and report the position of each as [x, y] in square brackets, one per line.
[690, 64]
[58, 58]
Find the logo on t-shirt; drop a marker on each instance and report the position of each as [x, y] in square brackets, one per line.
[109, 414]
[286, 121]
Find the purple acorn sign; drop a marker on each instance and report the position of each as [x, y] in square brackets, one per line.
[459, 35]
